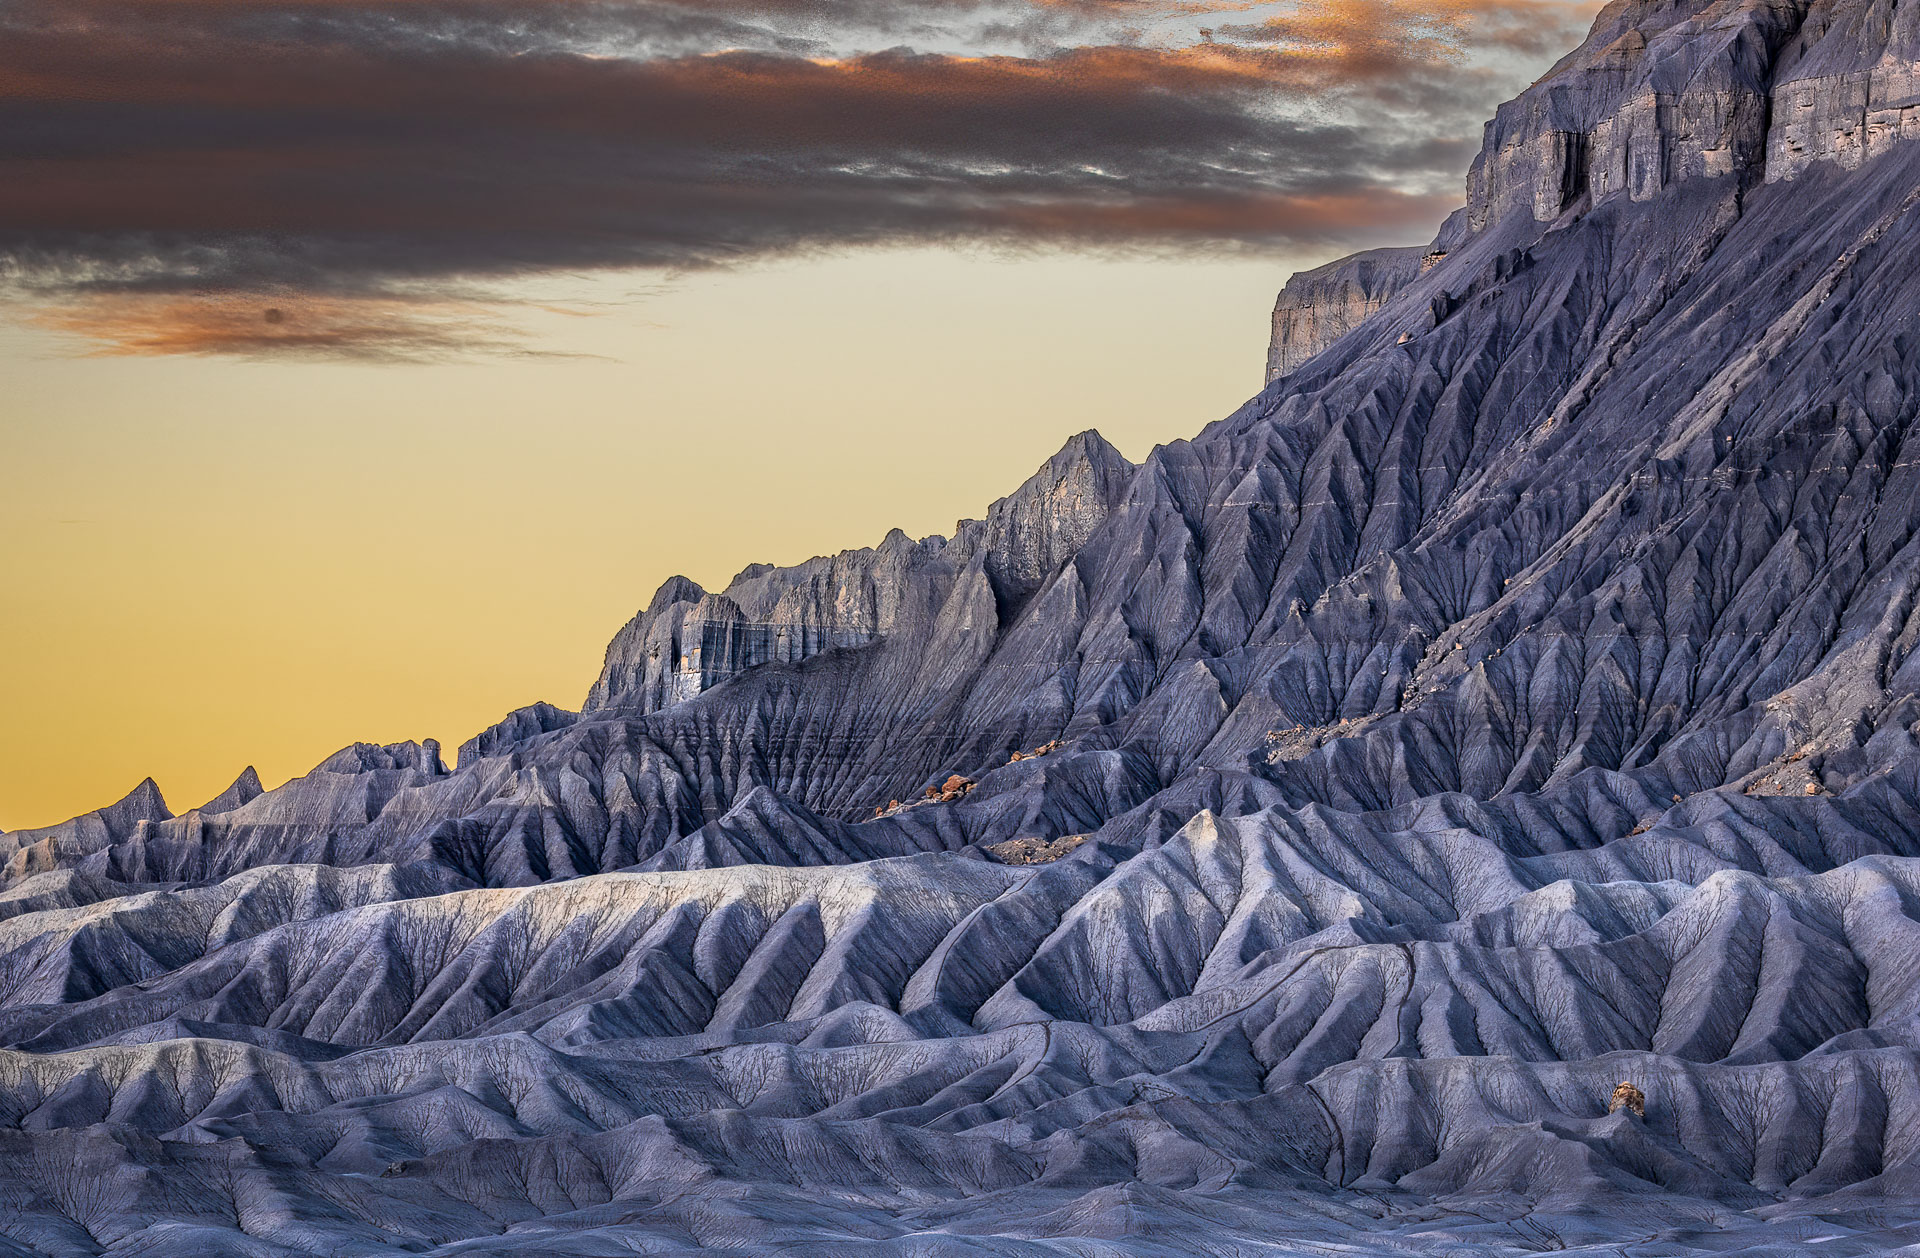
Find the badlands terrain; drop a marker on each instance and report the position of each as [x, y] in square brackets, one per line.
[1285, 845]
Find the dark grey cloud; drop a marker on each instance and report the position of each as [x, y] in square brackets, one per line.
[401, 153]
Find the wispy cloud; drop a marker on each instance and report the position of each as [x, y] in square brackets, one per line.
[375, 327]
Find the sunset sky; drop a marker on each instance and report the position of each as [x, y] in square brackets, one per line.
[364, 364]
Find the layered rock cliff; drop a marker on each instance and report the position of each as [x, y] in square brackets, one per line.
[1318, 307]
[1516, 699]
[687, 641]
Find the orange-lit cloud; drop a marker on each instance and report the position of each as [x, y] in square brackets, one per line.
[378, 327]
[1373, 38]
[362, 152]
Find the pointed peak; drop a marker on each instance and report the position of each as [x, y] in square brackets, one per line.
[1089, 439]
[147, 789]
[1095, 449]
[147, 797]
[675, 589]
[1112, 470]
[244, 790]
[143, 803]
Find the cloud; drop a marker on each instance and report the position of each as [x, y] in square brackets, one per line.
[1379, 39]
[373, 328]
[169, 167]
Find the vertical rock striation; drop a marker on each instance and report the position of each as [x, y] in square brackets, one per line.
[1318, 307]
[688, 641]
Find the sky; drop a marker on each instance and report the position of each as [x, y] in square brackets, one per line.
[365, 364]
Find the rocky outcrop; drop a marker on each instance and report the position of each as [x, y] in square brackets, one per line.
[1660, 94]
[33, 851]
[1847, 91]
[519, 726]
[1035, 851]
[245, 789]
[1657, 95]
[1318, 307]
[688, 641]
[1629, 1098]
[1028, 535]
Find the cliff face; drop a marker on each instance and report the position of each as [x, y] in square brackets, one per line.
[687, 641]
[1320, 306]
[1658, 94]
[1847, 89]
[1515, 699]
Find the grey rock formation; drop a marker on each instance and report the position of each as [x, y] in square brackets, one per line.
[245, 789]
[1318, 307]
[517, 727]
[688, 641]
[1515, 699]
[29, 851]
